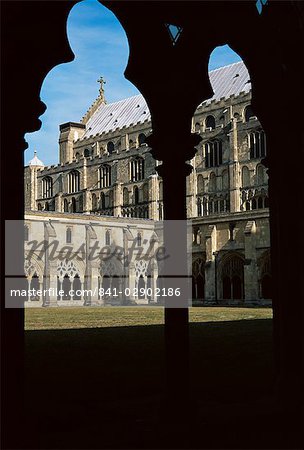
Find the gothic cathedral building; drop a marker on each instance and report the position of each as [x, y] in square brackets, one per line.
[106, 175]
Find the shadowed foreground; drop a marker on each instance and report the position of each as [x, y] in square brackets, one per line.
[101, 388]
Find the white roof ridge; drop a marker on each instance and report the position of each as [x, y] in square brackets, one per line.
[226, 81]
[227, 65]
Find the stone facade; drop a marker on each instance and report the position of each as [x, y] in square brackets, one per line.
[112, 173]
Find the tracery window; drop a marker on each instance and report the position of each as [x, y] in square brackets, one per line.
[137, 169]
[213, 154]
[47, 187]
[232, 274]
[104, 174]
[257, 144]
[73, 181]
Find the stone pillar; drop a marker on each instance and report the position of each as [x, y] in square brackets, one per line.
[210, 277]
[50, 269]
[250, 267]
[91, 268]
[234, 169]
[132, 281]
[52, 294]
[84, 175]
[87, 201]
[118, 200]
[94, 285]
[153, 196]
[59, 202]
[34, 189]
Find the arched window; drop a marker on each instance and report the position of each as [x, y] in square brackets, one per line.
[87, 152]
[94, 202]
[213, 154]
[46, 206]
[212, 182]
[210, 122]
[77, 156]
[199, 207]
[73, 181]
[225, 180]
[260, 175]
[39, 207]
[125, 196]
[102, 200]
[111, 198]
[108, 238]
[200, 184]
[110, 147]
[26, 232]
[257, 144]
[141, 139]
[245, 177]
[139, 240]
[104, 174]
[248, 113]
[47, 187]
[197, 127]
[68, 237]
[265, 275]
[66, 205]
[198, 279]
[136, 195]
[137, 169]
[73, 205]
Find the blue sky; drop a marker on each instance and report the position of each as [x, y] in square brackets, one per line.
[101, 48]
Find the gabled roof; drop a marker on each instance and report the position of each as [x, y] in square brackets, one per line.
[225, 82]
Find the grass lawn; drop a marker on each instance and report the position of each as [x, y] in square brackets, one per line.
[94, 377]
[84, 317]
